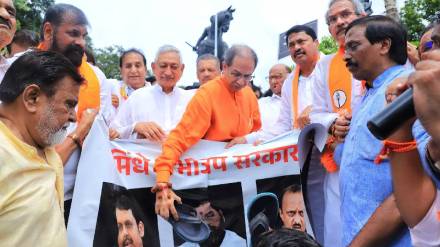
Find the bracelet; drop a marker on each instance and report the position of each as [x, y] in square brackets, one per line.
[75, 139]
[396, 147]
[163, 186]
[434, 165]
[331, 130]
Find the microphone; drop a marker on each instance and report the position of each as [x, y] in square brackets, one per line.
[393, 116]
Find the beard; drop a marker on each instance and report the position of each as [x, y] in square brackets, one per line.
[216, 236]
[72, 52]
[46, 127]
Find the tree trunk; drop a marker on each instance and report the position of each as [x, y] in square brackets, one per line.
[391, 9]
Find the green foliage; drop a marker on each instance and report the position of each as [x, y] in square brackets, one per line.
[30, 13]
[328, 45]
[107, 59]
[416, 14]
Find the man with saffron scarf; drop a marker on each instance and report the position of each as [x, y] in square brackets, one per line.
[336, 93]
[64, 30]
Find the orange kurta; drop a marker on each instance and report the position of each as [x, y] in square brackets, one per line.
[214, 113]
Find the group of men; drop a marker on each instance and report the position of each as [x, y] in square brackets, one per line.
[366, 204]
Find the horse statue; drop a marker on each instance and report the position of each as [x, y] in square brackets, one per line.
[205, 44]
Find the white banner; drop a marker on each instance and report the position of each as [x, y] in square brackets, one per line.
[228, 179]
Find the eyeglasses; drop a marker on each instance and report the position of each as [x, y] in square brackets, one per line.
[238, 75]
[274, 77]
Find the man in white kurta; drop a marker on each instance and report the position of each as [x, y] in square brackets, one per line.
[270, 105]
[152, 112]
[303, 47]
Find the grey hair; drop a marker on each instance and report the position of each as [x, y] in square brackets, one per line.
[208, 56]
[241, 50]
[358, 8]
[168, 48]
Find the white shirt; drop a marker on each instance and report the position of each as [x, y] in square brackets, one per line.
[284, 122]
[322, 111]
[116, 90]
[151, 104]
[269, 110]
[231, 239]
[427, 231]
[4, 66]
[106, 112]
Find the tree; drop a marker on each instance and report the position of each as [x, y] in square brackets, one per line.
[391, 9]
[30, 13]
[328, 45]
[107, 59]
[416, 14]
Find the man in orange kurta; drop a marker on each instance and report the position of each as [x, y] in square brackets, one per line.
[221, 109]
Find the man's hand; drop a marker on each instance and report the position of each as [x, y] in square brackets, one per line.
[397, 87]
[413, 53]
[115, 101]
[150, 131]
[341, 126]
[426, 85]
[236, 140]
[84, 125]
[165, 198]
[304, 119]
[113, 134]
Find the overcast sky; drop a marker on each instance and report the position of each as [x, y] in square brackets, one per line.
[149, 24]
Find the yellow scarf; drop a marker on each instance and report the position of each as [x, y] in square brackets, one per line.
[89, 92]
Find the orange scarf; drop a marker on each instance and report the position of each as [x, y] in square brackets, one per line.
[89, 92]
[295, 96]
[339, 83]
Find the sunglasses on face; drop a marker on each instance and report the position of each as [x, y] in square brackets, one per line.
[427, 46]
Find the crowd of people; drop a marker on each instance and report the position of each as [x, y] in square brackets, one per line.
[377, 193]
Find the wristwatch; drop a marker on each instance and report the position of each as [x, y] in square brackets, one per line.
[434, 165]
[75, 139]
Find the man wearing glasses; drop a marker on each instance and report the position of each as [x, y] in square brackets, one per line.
[221, 110]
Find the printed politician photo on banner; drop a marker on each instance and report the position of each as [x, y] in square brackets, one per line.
[220, 209]
[278, 204]
[126, 218]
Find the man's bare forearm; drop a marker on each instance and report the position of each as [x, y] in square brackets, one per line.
[382, 226]
[65, 149]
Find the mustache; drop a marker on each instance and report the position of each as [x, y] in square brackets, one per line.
[127, 240]
[5, 22]
[296, 226]
[350, 63]
[299, 52]
[341, 29]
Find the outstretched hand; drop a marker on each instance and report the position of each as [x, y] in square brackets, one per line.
[165, 198]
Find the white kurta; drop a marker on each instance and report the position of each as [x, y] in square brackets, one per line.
[426, 232]
[151, 104]
[269, 110]
[323, 113]
[284, 122]
[322, 102]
